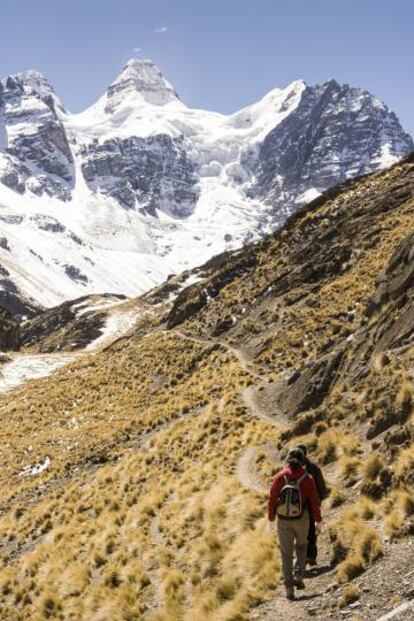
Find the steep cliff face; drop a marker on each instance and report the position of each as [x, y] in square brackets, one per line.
[152, 186]
[36, 154]
[149, 174]
[337, 132]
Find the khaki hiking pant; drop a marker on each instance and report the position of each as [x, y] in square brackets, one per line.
[293, 534]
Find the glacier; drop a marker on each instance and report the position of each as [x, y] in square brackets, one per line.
[139, 185]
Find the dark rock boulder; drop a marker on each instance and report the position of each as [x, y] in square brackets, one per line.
[306, 389]
[189, 302]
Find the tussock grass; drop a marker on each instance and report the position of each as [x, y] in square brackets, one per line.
[140, 514]
[350, 594]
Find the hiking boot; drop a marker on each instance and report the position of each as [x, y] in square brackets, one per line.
[299, 583]
[290, 593]
[311, 561]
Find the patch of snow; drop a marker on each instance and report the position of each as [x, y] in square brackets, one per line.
[36, 469]
[308, 196]
[88, 306]
[25, 367]
[117, 324]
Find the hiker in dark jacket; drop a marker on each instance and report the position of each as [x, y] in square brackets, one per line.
[292, 497]
[323, 493]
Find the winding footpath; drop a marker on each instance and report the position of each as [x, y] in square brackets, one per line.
[321, 583]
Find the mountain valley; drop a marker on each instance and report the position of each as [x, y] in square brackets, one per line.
[140, 435]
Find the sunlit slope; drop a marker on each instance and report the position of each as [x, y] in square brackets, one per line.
[161, 447]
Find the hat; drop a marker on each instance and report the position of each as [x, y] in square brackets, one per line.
[295, 458]
[303, 448]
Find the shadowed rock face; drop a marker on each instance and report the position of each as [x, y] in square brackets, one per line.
[152, 173]
[188, 302]
[63, 328]
[335, 133]
[396, 283]
[37, 154]
[306, 389]
[9, 331]
[392, 305]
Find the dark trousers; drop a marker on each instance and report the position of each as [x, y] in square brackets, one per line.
[312, 538]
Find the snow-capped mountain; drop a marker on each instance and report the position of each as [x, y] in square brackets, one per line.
[139, 185]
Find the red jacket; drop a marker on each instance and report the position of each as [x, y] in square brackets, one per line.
[308, 492]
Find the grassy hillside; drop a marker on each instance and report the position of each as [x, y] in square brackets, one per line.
[161, 447]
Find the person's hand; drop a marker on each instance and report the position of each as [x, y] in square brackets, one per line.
[318, 528]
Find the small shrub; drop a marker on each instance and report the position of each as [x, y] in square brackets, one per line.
[373, 466]
[350, 594]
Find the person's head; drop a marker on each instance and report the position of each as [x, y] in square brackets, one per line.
[295, 458]
[303, 448]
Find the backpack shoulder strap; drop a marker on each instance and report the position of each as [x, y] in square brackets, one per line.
[302, 478]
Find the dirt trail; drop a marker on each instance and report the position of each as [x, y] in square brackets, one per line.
[320, 598]
[246, 471]
[251, 400]
[241, 357]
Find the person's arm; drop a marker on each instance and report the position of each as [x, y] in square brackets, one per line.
[313, 498]
[273, 496]
[320, 484]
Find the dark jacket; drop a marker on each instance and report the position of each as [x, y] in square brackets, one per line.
[316, 472]
[308, 492]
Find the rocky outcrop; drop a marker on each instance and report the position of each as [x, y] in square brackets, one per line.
[305, 389]
[397, 280]
[188, 303]
[68, 327]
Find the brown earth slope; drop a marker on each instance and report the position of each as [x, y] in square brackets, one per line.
[133, 480]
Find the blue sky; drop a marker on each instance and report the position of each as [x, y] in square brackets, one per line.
[219, 54]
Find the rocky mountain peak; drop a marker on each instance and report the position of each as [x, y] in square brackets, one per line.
[32, 82]
[172, 186]
[144, 77]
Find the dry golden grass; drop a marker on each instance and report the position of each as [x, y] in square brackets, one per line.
[140, 514]
[350, 594]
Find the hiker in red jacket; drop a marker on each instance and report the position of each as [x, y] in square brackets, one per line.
[292, 495]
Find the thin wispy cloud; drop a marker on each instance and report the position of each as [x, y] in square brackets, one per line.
[137, 50]
[161, 29]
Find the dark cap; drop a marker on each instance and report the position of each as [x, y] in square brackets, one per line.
[303, 448]
[295, 457]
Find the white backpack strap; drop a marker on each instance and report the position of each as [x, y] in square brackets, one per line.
[302, 478]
